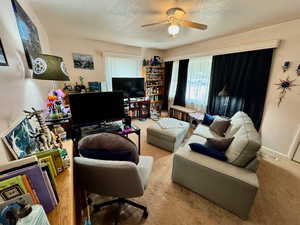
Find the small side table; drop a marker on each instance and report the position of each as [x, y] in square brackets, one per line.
[134, 129]
[196, 118]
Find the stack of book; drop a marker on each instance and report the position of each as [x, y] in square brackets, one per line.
[31, 180]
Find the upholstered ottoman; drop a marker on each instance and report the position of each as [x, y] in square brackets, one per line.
[167, 133]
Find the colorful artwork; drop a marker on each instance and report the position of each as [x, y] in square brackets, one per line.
[28, 32]
[82, 61]
[3, 60]
[19, 140]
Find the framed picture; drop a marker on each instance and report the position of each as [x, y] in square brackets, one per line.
[82, 61]
[28, 33]
[18, 139]
[3, 59]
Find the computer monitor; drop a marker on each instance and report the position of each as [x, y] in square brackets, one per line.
[93, 108]
[131, 87]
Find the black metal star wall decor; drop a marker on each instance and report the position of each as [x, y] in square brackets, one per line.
[284, 86]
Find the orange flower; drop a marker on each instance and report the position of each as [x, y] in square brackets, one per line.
[52, 98]
[49, 104]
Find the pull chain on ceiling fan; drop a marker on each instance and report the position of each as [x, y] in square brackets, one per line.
[175, 20]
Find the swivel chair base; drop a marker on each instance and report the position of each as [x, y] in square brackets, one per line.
[121, 202]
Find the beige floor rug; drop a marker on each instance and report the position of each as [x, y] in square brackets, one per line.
[277, 202]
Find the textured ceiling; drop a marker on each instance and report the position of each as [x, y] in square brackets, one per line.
[120, 20]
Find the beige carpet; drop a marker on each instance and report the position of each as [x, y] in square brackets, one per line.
[277, 202]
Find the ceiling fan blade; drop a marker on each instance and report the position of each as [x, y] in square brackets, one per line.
[187, 23]
[152, 24]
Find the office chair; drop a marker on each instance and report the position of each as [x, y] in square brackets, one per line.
[120, 179]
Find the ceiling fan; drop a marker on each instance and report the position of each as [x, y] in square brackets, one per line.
[175, 19]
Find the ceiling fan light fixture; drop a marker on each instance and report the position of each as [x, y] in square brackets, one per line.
[173, 29]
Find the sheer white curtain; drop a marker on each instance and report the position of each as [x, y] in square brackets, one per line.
[121, 67]
[198, 80]
[173, 84]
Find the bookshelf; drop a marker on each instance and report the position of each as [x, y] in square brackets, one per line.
[180, 112]
[155, 85]
[137, 109]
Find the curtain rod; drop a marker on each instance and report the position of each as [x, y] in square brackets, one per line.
[233, 49]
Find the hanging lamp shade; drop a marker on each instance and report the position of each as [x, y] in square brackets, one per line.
[50, 67]
[224, 92]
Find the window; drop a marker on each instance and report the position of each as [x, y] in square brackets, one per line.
[121, 67]
[173, 84]
[197, 88]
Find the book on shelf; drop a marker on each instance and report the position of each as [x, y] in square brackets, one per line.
[49, 188]
[31, 191]
[36, 180]
[18, 164]
[52, 180]
[56, 158]
[11, 188]
[48, 160]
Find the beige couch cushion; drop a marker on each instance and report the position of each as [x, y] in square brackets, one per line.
[216, 165]
[205, 131]
[245, 145]
[236, 122]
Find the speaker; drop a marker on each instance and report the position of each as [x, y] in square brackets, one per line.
[127, 121]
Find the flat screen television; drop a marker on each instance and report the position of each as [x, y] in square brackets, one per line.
[131, 87]
[93, 108]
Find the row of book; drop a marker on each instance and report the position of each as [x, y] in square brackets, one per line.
[32, 180]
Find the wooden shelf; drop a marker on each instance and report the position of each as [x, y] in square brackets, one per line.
[155, 94]
[154, 73]
[154, 67]
[64, 213]
[156, 101]
[155, 85]
[154, 79]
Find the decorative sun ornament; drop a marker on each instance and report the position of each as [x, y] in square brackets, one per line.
[284, 86]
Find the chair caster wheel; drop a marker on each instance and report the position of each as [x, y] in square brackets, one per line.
[145, 214]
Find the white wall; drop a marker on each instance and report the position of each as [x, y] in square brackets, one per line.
[279, 125]
[18, 93]
[65, 46]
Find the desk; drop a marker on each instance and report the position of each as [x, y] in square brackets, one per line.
[134, 130]
[64, 213]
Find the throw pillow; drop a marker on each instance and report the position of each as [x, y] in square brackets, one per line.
[196, 147]
[208, 119]
[108, 146]
[219, 126]
[220, 144]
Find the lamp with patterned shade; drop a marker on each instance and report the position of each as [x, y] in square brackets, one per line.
[49, 67]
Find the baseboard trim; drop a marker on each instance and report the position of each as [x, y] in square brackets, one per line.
[271, 153]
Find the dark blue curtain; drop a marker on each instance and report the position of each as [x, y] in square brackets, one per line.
[245, 76]
[181, 84]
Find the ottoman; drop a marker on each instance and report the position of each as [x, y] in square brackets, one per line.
[167, 133]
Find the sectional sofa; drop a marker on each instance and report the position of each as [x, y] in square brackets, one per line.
[233, 184]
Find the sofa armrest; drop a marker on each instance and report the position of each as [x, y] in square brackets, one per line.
[228, 186]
